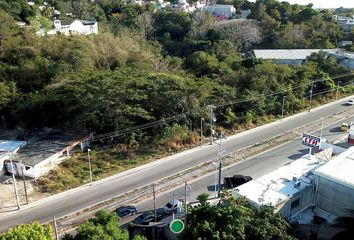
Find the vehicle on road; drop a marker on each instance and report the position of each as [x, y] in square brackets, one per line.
[350, 102]
[126, 210]
[146, 218]
[171, 207]
[344, 127]
[235, 181]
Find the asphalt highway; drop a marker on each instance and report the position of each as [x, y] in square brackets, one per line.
[73, 200]
[256, 166]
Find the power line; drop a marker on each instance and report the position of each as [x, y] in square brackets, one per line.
[125, 131]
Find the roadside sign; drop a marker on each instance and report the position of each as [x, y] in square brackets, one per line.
[311, 141]
[176, 226]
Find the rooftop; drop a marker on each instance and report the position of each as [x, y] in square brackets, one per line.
[339, 169]
[295, 54]
[277, 186]
[11, 145]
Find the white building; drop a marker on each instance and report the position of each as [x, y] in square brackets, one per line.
[285, 56]
[221, 11]
[345, 59]
[346, 23]
[7, 149]
[335, 185]
[288, 189]
[72, 27]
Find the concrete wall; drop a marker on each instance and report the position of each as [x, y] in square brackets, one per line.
[288, 61]
[2, 168]
[306, 198]
[333, 197]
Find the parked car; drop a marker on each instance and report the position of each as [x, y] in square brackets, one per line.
[235, 181]
[350, 102]
[344, 127]
[172, 206]
[126, 210]
[147, 217]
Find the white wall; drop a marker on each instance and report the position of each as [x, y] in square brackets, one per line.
[333, 197]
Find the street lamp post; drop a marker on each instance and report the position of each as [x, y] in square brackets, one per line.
[201, 131]
[216, 164]
[311, 92]
[212, 120]
[282, 108]
[339, 82]
[220, 155]
[89, 160]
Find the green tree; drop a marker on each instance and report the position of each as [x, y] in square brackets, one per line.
[32, 231]
[235, 219]
[105, 226]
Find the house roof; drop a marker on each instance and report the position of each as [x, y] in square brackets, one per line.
[339, 169]
[276, 187]
[87, 22]
[295, 54]
[11, 145]
[67, 21]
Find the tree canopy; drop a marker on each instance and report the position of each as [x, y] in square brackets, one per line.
[235, 219]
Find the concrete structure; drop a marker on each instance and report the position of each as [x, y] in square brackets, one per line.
[335, 184]
[346, 23]
[285, 56]
[71, 27]
[221, 11]
[7, 149]
[345, 59]
[40, 156]
[289, 189]
[297, 56]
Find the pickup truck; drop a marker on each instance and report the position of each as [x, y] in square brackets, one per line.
[235, 181]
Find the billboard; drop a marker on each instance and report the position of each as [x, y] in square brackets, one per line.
[311, 141]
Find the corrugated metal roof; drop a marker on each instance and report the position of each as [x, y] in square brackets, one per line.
[294, 54]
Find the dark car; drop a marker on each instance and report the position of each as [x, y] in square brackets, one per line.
[126, 210]
[235, 181]
[145, 218]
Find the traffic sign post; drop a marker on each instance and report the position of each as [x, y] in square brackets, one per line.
[176, 226]
[311, 141]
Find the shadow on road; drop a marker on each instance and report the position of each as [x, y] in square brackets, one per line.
[301, 153]
[335, 130]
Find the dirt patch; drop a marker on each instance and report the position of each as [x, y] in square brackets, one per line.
[8, 198]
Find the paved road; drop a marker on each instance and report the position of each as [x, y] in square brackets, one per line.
[255, 167]
[74, 200]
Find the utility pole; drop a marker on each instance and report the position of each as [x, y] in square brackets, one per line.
[322, 119]
[24, 185]
[311, 92]
[216, 164]
[15, 184]
[282, 108]
[219, 185]
[212, 120]
[89, 160]
[220, 157]
[55, 228]
[201, 131]
[339, 82]
[154, 195]
[185, 203]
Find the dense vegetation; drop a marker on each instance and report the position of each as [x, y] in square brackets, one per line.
[230, 219]
[146, 66]
[234, 219]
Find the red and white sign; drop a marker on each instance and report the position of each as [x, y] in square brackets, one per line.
[311, 141]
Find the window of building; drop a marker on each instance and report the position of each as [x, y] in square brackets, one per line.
[295, 203]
